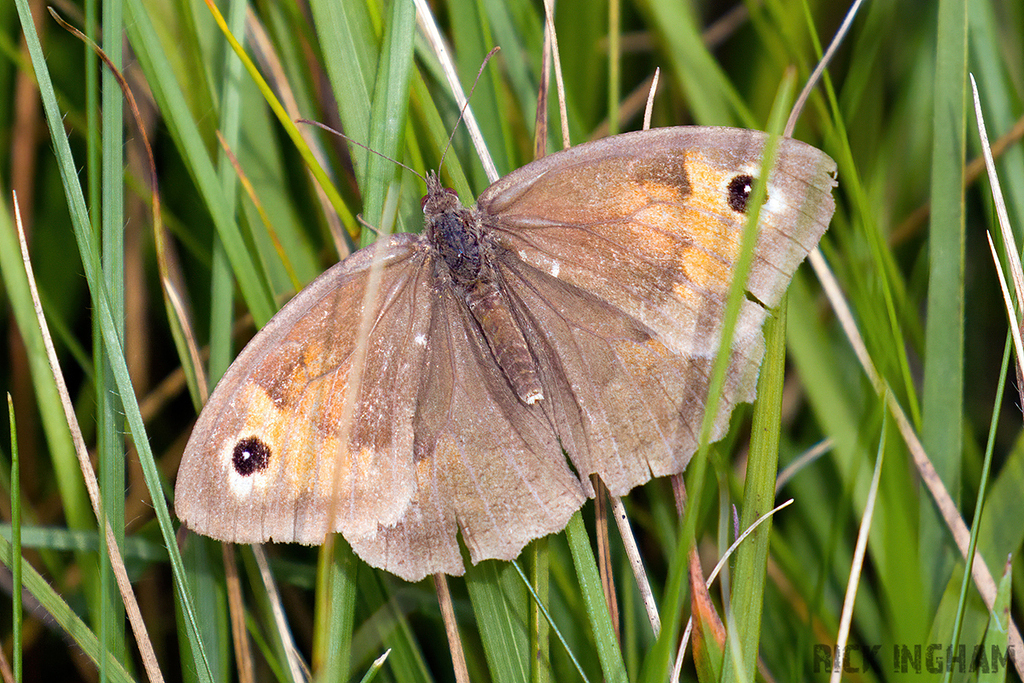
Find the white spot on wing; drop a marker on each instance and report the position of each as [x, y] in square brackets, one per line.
[241, 485]
[542, 261]
[774, 203]
[420, 339]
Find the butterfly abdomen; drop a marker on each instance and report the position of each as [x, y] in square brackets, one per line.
[491, 310]
[455, 234]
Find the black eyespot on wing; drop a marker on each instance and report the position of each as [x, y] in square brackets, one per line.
[250, 456]
[739, 190]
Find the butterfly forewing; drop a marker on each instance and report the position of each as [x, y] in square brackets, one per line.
[273, 455]
[649, 223]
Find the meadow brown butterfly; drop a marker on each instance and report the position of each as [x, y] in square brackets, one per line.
[564, 326]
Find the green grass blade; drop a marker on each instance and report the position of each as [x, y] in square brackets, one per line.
[349, 44]
[942, 402]
[744, 623]
[388, 112]
[597, 609]
[539, 585]
[389, 626]
[16, 616]
[111, 340]
[62, 613]
[749, 578]
[335, 610]
[499, 603]
[110, 426]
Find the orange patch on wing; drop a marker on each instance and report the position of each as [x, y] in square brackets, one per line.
[662, 192]
[713, 228]
[713, 252]
[263, 420]
[328, 468]
[292, 458]
[643, 359]
[708, 182]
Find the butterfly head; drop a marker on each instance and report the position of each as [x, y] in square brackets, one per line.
[439, 199]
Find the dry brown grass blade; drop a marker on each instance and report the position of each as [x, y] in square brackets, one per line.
[1015, 325]
[124, 586]
[296, 666]
[451, 628]
[947, 507]
[604, 556]
[366, 321]
[1013, 314]
[637, 563]
[857, 565]
[649, 110]
[540, 123]
[5, 668]
[549, 29]
[708, 630]
[270, 61]
[430, 30]
[236, 608]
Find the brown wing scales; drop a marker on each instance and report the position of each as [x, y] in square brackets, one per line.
[487, 463]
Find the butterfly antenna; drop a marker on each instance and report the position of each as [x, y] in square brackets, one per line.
[359, 144]
[462, 112]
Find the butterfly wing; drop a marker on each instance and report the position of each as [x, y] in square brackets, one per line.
[624, 406]
[485, 462]
[436, 440]
[275, 454]
[642, 231]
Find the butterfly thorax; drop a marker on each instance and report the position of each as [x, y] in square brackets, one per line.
[454, 233]
[458, 239]
[458, 244]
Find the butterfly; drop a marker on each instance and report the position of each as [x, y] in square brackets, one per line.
[471, 379]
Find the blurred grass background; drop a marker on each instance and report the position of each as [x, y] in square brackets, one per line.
[906, 244]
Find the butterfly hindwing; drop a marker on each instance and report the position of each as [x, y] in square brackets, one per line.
[625, 407]
[486, 464]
